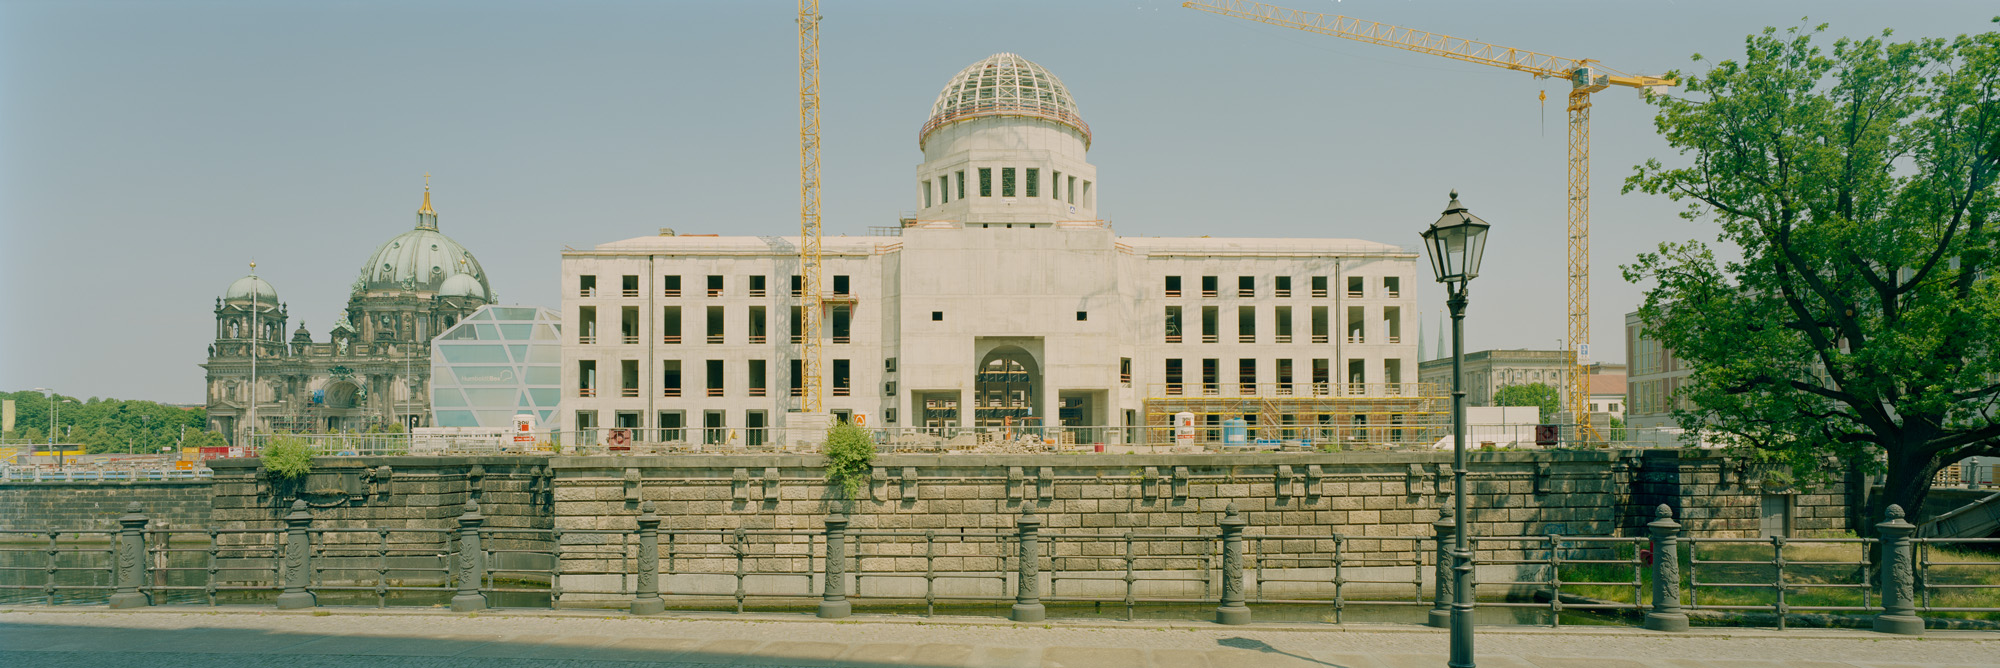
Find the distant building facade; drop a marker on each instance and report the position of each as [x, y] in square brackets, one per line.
[1487, 371]
[1004, 300]
[1655, 377]
[374, 366]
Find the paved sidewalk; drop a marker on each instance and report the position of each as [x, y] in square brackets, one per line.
[430, 639]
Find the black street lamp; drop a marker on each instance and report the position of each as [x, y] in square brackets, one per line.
[1455, 243]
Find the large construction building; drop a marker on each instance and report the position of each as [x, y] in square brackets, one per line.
[1005, 301]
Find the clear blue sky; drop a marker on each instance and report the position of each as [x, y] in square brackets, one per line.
[150, 150]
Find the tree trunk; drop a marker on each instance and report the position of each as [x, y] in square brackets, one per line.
[1907, 484]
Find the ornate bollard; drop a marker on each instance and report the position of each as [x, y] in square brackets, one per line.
[1666, 614]
[297, 547]
[131, 559]
[1028, 598]
[471, 561]
[1232, 611]
[833, 603]
[1899, 612]
[1444, 527]
[646, 596]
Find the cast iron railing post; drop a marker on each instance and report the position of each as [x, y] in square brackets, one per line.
[1666, 614]
[131, 559]
[471, 561]
[1232, 611]
[1028, 592]
[1444, 527]
[833, 603]
[1899, 613]
[297, 545]
[646, 595]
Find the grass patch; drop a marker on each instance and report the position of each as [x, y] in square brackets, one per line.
[1722, 575]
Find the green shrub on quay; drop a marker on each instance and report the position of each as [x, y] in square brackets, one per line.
[850, 455]
[287, 458]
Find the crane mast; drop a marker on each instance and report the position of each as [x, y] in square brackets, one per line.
[1585, 76]
[809, 224]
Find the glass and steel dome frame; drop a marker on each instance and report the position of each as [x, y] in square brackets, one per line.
[1004, 84]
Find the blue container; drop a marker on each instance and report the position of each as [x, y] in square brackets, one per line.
[1235, 432]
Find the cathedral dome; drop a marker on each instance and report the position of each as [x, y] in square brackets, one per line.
[250, 288]
[462, 285]
[420, 259]
[1004, 84]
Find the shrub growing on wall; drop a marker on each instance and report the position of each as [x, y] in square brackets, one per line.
[287, 458]
[850, 454]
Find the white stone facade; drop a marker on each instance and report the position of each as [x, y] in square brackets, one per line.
[1034, 279]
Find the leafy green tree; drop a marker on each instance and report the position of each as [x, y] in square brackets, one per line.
[1855, 333]
[103, 425]
[1531, 394]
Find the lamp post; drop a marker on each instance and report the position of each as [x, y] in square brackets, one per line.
[1455, 243]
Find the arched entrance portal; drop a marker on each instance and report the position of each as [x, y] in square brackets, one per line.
[1005, 388]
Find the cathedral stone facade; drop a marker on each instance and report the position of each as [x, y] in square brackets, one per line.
[374, 367]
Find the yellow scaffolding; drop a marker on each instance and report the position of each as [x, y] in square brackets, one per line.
[1339, 416]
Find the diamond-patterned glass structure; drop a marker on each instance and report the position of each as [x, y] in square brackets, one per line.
[499, 361]
[1004, 84]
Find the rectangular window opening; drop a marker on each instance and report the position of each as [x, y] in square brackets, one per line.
[1246, 324]
[1208, 286]
[629, 286]
[670, 286]
[586, 285]
[586, 318]
[1319, 287]
[715, 286]
[1211, 323]
[756, 286]
[1173, 286]
[670, 379]
[986, 182]
[1284, 325]
[1173, 323]
[713, 377]
[1034, 178]
[1246, 286]
[715, 324]
[758, 324]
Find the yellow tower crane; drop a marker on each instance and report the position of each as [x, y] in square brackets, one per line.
[1585, 77]
[809, 253]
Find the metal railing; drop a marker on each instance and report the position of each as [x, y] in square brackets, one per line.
[477, 566]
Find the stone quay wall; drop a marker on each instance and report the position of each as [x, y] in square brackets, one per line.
[96, 506]
[763, 513]
[417, 499]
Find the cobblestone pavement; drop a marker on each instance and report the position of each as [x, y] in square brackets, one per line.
[426, 638]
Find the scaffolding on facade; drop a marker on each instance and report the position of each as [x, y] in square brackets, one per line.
[1314, 415]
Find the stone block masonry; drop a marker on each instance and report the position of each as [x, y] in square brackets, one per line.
[96, 506]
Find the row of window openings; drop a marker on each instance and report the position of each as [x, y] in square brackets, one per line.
[1246, 324]
[670, 286]
[756, 378]
[1061, 188]
[841, 322]
[672, 426]
[1247, 379]
[1246, 286]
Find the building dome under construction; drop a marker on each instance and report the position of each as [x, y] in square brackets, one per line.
[1004, 84]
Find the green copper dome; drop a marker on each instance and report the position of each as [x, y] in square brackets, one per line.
[251, 287]
[420, 259]
[462, 285]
